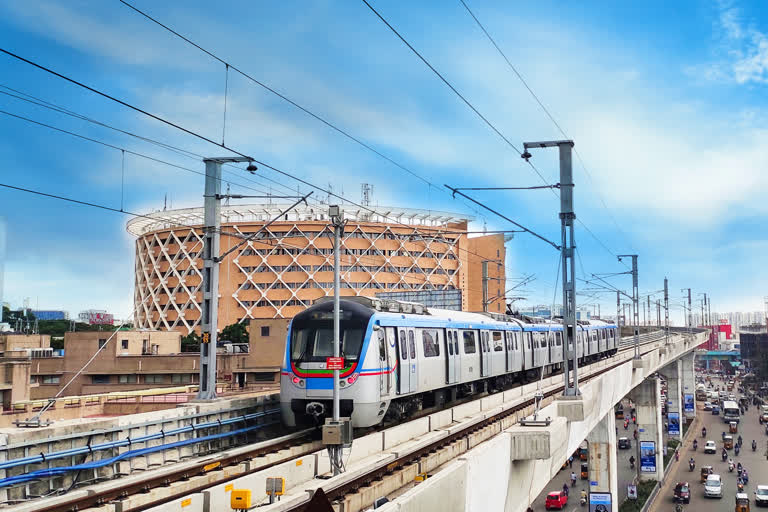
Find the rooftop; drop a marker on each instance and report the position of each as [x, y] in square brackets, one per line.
[260, 213]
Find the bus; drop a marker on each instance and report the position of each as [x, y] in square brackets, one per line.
[701, 392]
[730, 411]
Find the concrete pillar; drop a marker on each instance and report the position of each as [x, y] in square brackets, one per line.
[603, 465]
[688, 383]
[673, 373]
[648, 412]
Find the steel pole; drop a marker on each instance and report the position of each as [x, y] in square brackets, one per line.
[666, 310]
[209, 318]
[485, 285]
[336, 316]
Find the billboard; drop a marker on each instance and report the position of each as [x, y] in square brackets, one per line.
[600, 502]
[647, 456]
[673, 423]
[96, 317]
[688, 405]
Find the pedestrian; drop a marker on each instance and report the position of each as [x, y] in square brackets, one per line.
[677, 455]
[573, 478]
[634, 420]
[570, 461]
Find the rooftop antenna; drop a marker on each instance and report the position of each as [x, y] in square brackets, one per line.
[165, 202]
[366, 192]
[226, 201]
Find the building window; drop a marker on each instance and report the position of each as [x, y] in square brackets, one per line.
[264, 331]
[126, 379]
[154, 379]
[102, 342]
[181, 378]
[50, 379]
[32, 379]
[99, 379]
[125, 344]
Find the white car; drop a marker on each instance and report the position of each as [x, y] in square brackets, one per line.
[761, 495]
[707, 406]
[710, 447]
[713, 487]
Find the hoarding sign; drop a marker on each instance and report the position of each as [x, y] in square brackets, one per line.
[632, 492]
[688, 405]
[647, 456]
[600, 502]
[673, 423]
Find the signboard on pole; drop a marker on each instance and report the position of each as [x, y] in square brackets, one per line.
[648, 456]
[334, 363]
[688, 405]
[600, 502]
[673, 423]
[632, 492]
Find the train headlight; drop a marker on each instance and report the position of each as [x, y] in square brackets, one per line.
[296, 380]
[352, 378]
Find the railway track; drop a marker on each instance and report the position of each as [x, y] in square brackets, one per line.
[296, 445]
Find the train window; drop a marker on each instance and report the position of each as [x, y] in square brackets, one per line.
[559, 338]
[412, 344]
[515, 337]
[450, 343]
[431, 343]
[528, 340]
[456, 343]
[403, 348]
[498, 346]
[469, 342]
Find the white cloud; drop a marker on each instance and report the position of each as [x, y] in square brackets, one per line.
[741, 47]
[79, 25]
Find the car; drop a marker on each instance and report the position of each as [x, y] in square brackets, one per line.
[713, 487]
[707, 406]
[761, 495]
[624, 443]
[682, 492]
[556, 499]
[710, 447]
[716, 410]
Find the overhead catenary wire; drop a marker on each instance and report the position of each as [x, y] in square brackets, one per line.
[549, 115]
[202, 137]
[23, 96]
[356, 139]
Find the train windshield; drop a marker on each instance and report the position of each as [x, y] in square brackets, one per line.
[313, 343]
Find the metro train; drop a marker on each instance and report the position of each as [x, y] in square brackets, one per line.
[400, 357]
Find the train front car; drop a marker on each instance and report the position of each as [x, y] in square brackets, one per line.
[306, 386]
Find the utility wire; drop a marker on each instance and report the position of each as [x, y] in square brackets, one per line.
[20, 95]
[185, 130]
[549, 115]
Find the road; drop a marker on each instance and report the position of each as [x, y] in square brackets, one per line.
[755, 462]
[625, 477]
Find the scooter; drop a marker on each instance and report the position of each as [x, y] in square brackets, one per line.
[691, 465]
[583, 500]
[730, 467]
[695, 445]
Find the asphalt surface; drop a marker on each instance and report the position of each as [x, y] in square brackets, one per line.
[625, 477]
[754, 462]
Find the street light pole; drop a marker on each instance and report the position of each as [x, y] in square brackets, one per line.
[568, 261]
[210, 306]
[635, 298]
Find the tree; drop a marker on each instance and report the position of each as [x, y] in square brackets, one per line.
[236, 333]
[190, 342]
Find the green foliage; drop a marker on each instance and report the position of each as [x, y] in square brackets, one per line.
[59, 327]
[236, 333]
[190, 342]
[644, 490]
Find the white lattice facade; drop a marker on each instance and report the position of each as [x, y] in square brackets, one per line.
[290, 265]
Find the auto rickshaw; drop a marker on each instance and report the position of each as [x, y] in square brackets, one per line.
[583, 453]
[728, 442]
[705, 472]
[733, 427]
[584, 471]
[742, 502]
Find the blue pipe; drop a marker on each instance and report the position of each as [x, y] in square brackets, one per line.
[43, 473]
[36, 459]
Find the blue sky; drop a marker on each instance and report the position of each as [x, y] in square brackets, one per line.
[666, 103]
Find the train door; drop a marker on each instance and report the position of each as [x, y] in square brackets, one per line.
[525, 339]
[414, 379]
[392, 376]
[510, 346]
[452, 368]
[404, 364]
[485, 354]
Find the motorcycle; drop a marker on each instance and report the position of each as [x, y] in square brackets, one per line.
[583, 500]
[736, 449]
[725, 456]
[695, 445]
[730, 467]
[691, 465]
[740, 487]
[704, 432]
[754, 445]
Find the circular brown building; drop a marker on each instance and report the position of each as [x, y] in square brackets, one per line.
[419, 255]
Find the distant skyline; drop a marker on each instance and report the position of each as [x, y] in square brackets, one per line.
[666, 103]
